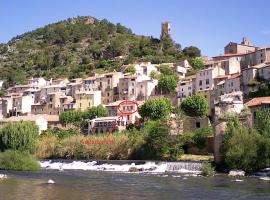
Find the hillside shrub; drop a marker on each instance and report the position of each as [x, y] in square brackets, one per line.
[207, 169]
[22, 136]
[19, 161]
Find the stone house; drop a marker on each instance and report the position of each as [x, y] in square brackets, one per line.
[107, 84]
[87, 99]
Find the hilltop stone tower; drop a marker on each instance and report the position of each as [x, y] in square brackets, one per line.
[165, 30]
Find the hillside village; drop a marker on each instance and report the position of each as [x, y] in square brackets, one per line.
[243, 68]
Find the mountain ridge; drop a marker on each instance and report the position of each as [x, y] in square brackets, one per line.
[76, 47]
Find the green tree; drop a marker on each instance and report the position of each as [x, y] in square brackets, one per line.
[130, 70]
[200, 136]
[167, 84]
[156, 109]
[166, 70]
[240, 150]
[154, 75]
[2, 92]
[159, 144]
[197, 64]
[70, 117]
[157, 140]
[22, 136]
[262, 122]
[95, 111]
[195, 106]
[192, 52]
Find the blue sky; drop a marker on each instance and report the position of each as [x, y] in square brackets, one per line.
[208, 24]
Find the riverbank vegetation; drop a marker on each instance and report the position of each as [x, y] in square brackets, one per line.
[19, 161]
[17, 141]
[247, 148]
[150, 140]
[207, 169]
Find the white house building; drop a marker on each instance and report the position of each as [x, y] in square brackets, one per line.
[205, 78]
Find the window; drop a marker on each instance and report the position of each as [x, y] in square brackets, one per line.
[80, 105]
[207, 81]
[198, 124]
[200, 83]
[108, 94]
[145, 70]
[261, 61]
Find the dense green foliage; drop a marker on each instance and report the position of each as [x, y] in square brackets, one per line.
[195, 106]
[262, 122]
[154, 75]
[76, 117]
[20, 136]
[159, 144]
[245, 148]
[167, 84]
[130, 70]
[95, 111]
[200, 135]
[156, 109]
[79, 46]
[166, 70]
[151, 142]
[2, 92]
[207, 169]
[19, 161]
[197, 64]
[70, 117]
[261, 90]
[192, 52]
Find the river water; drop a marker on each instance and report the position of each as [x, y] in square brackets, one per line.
[107, 185]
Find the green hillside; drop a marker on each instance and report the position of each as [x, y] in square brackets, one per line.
[77, 47]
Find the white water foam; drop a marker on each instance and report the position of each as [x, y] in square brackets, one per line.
[148, 167]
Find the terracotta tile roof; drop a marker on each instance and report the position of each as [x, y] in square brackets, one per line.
[49, 118]
[221, 76]
[233, 76]
[91, 78]
[257, 101]
[231, 55]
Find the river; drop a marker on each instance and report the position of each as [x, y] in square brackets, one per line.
[107, 185]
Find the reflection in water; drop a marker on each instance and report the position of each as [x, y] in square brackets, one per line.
[84, 185]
